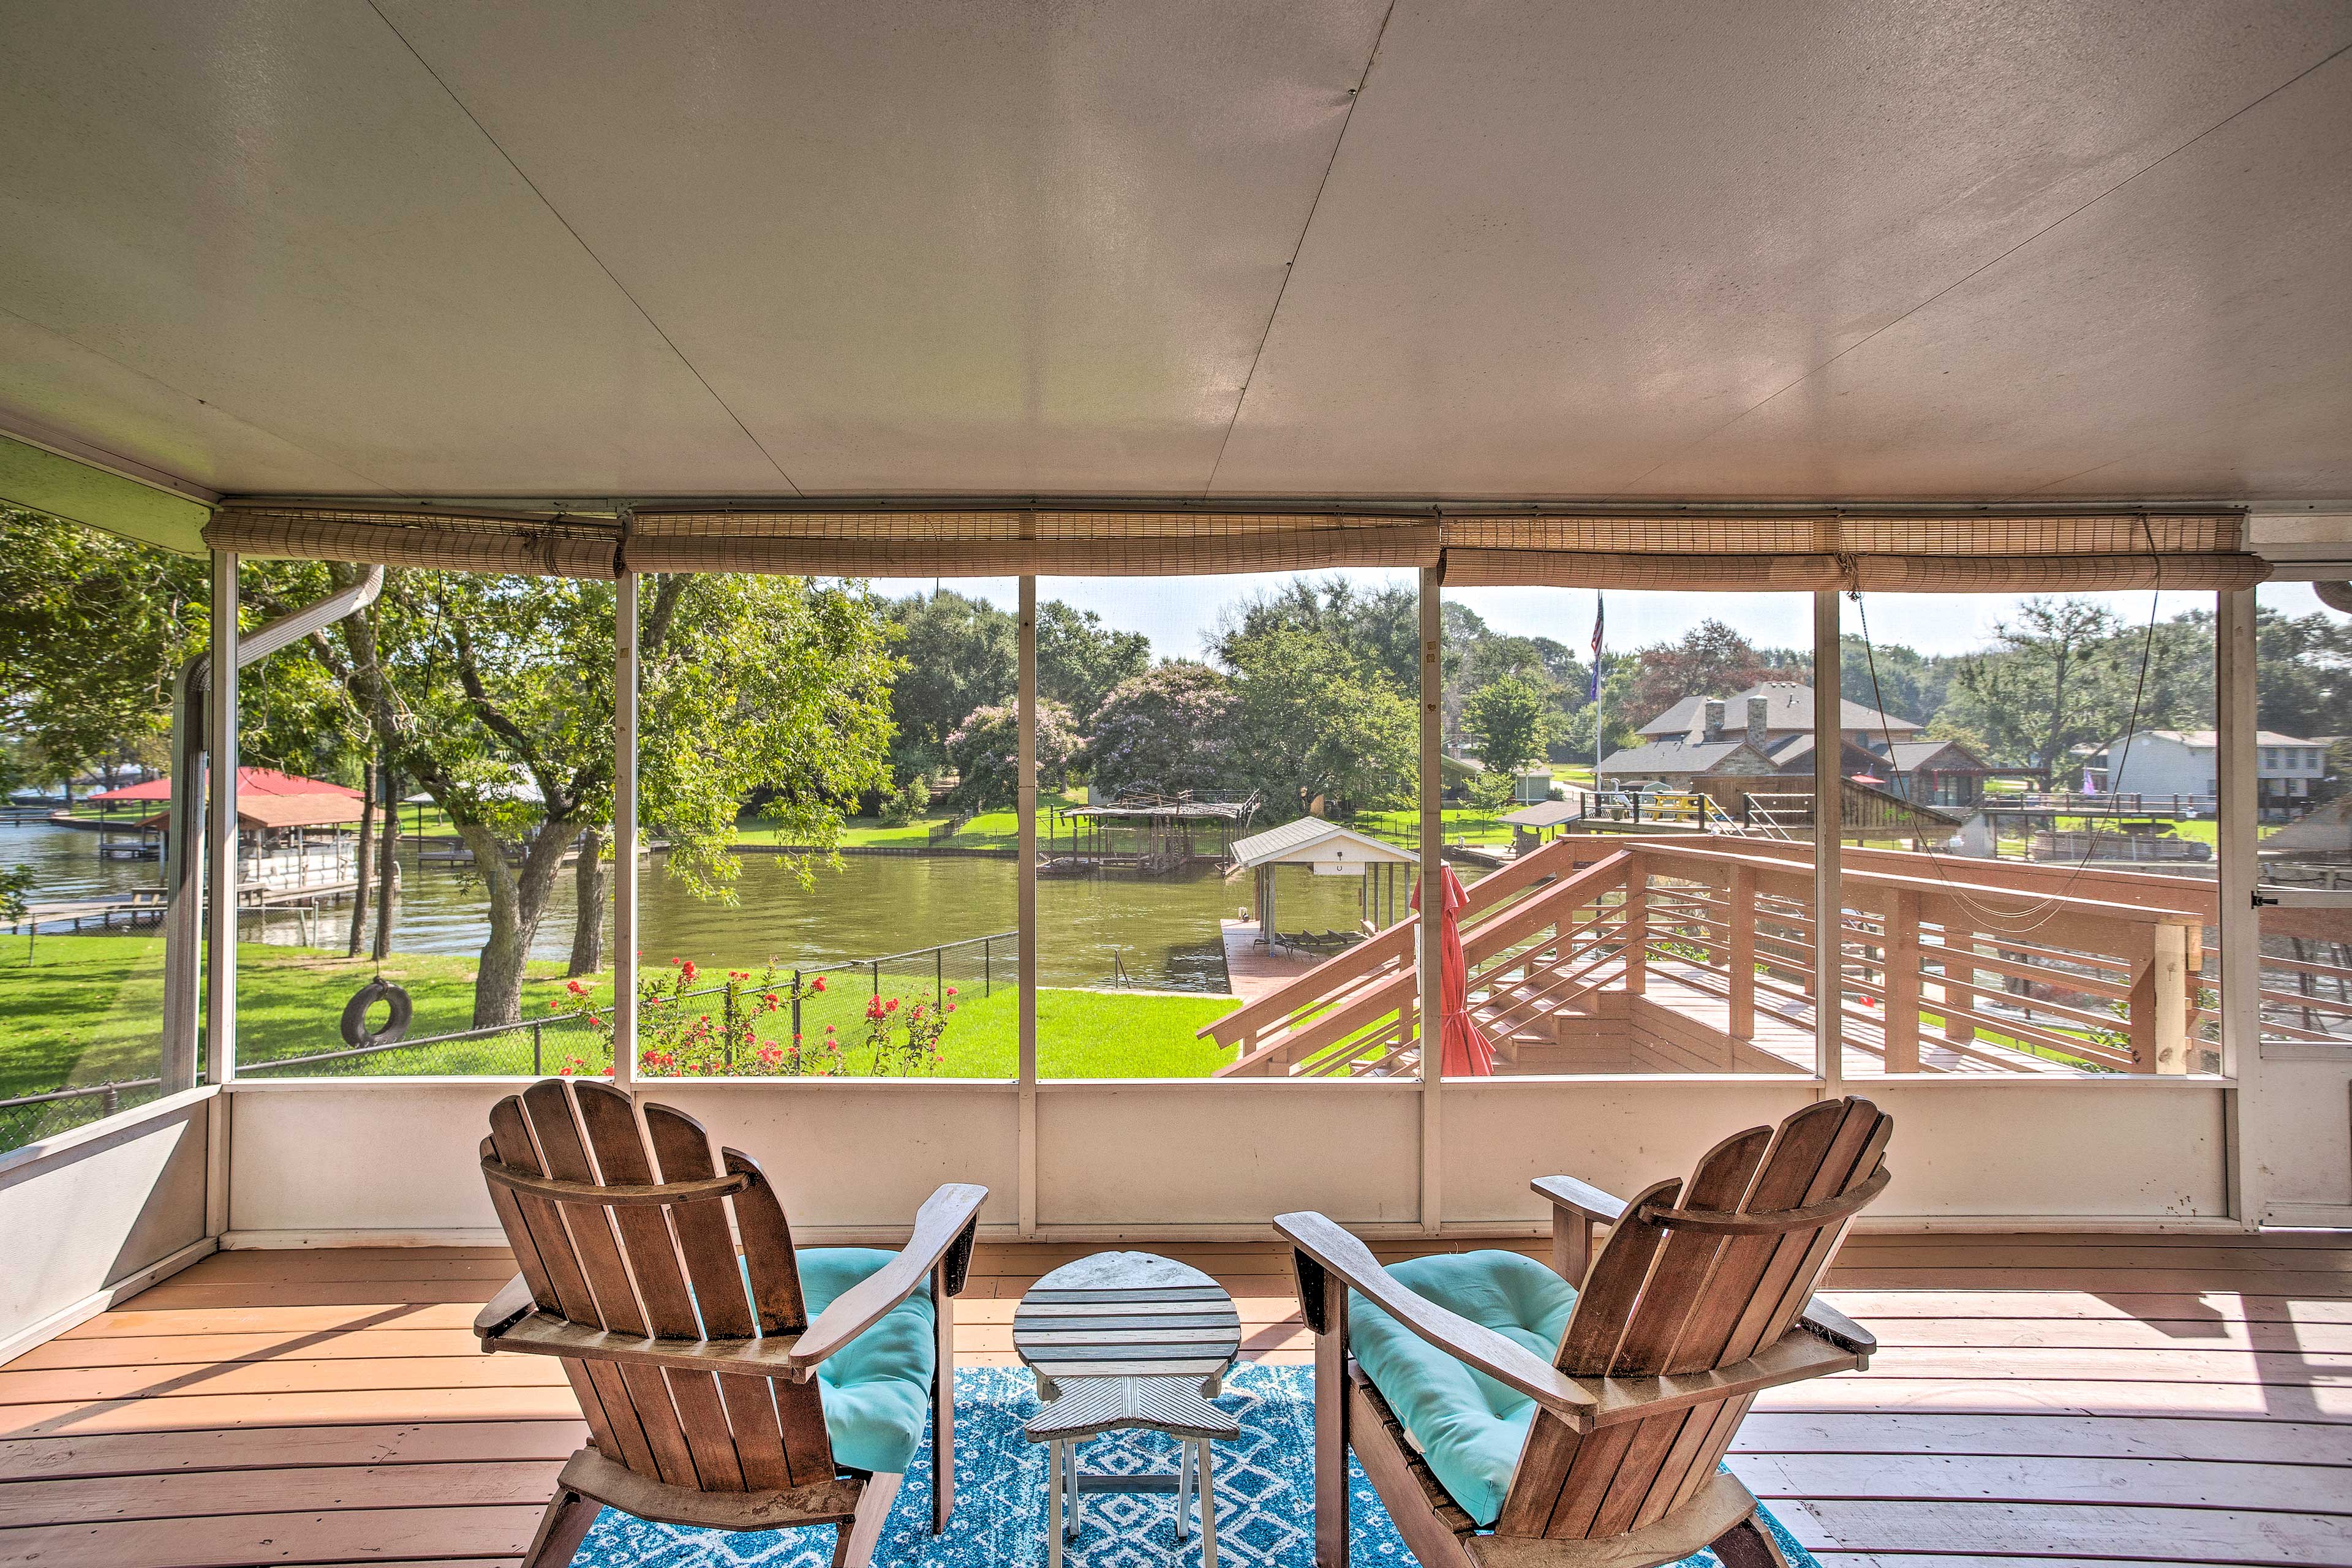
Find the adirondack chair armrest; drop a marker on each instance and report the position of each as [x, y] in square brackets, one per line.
[1576, 1207]
[1322, 1242]
[944, 1229]
[1826, 1322]
[509, 1305]
[1794, 1357]
[1579, 1197]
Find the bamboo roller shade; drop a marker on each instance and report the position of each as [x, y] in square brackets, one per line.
[1709, 552]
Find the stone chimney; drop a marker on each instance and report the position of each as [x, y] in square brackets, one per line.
[1758, 708]
[1713, 720]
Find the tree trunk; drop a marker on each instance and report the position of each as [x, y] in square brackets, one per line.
[387, 870]
[518, 901]
[591, 881]
[370, 779]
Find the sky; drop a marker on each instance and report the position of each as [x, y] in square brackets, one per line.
[1178, 613]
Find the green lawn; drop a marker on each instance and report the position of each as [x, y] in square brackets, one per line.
[989, 830]
[90, 1008]
[1080, 1034]
[1462, 825]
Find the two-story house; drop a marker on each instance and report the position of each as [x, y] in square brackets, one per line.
[2169, 763]
[1760, 742]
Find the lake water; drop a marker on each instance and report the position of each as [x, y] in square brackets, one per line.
[1162, 930]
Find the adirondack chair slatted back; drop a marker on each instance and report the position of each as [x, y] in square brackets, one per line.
[615, 1265]
[1694, 1279]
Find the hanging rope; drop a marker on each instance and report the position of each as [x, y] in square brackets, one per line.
[2043, 909]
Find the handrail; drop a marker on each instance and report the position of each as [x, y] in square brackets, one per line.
[1342, 1004]
[1732, 915]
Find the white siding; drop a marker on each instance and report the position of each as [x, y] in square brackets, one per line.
[2158, 764]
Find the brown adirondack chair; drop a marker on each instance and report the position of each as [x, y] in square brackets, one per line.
[700, 1385]
[1701, 1298]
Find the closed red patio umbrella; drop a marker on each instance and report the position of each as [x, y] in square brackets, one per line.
[1464, 1051]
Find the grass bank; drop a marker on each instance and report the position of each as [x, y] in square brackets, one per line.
[88, 1010]
[1080, 1034]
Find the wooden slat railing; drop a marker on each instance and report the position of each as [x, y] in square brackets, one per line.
[1942, 967]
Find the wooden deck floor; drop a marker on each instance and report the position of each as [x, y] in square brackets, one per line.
[2070, 1398]
[1250, 971]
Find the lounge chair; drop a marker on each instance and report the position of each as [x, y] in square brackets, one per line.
[1603, 1454]
[718, 1403]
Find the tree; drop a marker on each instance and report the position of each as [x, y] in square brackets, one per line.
[908, 802]
[2067, 673]
[1907, 684]
[1616, 709]
[776, 689]
[1379, 631]
[94, 630]
[1710, 660]
[957, 654]
[985, 749]
[494, 694]
[1511, 717]
[2303, 672]
[15, 909]
[1079, 659]
[1310, 723]
[1167, 732]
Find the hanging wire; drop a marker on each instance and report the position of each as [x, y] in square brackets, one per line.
[2039, 913]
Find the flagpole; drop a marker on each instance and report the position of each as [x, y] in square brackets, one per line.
[1600, 704]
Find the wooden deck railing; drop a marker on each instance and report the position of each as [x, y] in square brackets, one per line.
[1944, 966]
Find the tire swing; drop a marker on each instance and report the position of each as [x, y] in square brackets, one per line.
[356, 1032]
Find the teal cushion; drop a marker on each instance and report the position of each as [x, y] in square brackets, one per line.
[1468, 1427]
[876, 1388]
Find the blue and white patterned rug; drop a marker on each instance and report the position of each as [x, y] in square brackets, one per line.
[1264, 1487]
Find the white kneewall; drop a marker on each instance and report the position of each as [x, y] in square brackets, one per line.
[96, 1211]
[338, 1162]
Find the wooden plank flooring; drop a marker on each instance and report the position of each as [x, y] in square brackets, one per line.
[2065, 1398]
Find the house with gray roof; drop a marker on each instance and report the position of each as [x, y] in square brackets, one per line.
[1760, 742]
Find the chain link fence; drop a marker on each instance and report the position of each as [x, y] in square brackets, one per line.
[534, 1047]
[33, 1117]
[945, 973]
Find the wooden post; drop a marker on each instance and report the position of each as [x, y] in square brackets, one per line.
[1959, 945]
[1331, 1401]
[1430, 1011]
[942, 1397]
[2252, 1146]
[2159, 1002]
[625, 831]
[1571, 1244]
[1828, 823]
[1742, 915]
[220, 831]
[1634, 934]
[1902, 952]
[1026, 812]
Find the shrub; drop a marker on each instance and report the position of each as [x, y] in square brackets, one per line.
[908, 802]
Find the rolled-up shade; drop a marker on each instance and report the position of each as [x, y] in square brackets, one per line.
[1476, 568]
[1976, 551]
[546, 545]
[2218, 573]
[1013, 543]
[1948, 553]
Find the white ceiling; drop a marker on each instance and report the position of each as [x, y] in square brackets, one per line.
[1849, 249]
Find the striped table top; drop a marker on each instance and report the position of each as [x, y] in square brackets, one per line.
[1126, 1314]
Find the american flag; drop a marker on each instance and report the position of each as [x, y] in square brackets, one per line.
[1599, 613]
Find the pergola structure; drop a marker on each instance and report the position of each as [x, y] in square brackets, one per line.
[2018, 297]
